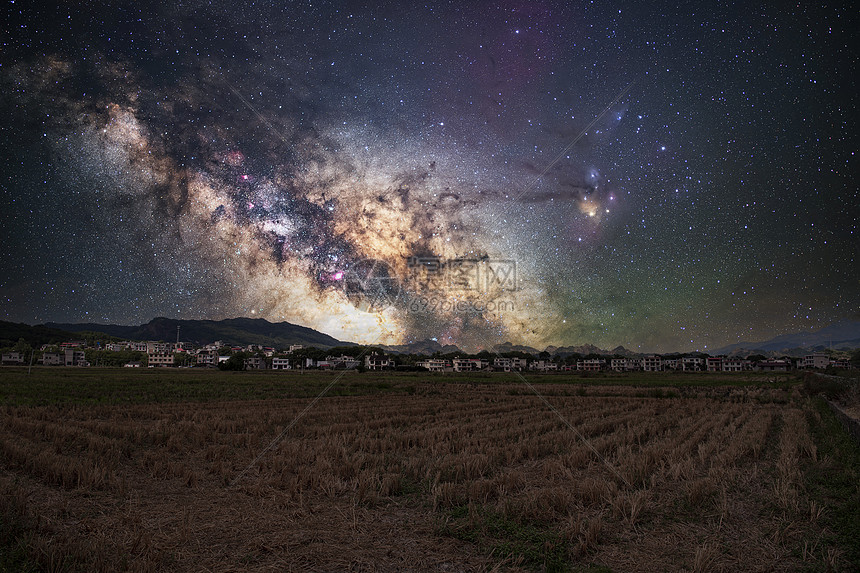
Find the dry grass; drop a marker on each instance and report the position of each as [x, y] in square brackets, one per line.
[708, 482]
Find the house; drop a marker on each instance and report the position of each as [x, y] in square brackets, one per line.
[625, 364]
[132, 365]
[773, 365]
[542, 366]
[509, 364]
[470, 364]
[159, 359]
[434, 364]
[673, 364]
[208, 358]
[10, 358]
[295, 347]
[591, 365]
[255, 363]
[816, 360]
[693, 364]
[715, 364]
[652, 363]
[378, 362]
[74, 357]
[279, 363]
[342, 362]
[840, 363]
[53, 359]
[735, 365]
[160, 347]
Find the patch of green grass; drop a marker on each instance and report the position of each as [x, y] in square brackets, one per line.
[531, 545]
[834, 481]
[59, 385]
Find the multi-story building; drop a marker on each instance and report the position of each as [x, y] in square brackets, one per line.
[773, 365]
[542, 366]
[255, 363]
[434, 364]
[53, 359]
[342, 362]
[715, 364]
[816, 360]
[470, 364]
[378, 362]
[279, 363]
[652, 363]
[693, 363]
[591, 364]
[9, 358]
[159, 359]
[74, 357]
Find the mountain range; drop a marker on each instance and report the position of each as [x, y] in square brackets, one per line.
[241, 331]
[841, 335]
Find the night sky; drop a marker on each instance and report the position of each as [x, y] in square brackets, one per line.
[545, 173]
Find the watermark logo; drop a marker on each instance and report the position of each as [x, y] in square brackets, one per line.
[370, 285]
[433, 286]
[479, 274]
[441, 305]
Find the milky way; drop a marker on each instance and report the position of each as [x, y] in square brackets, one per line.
[544, 173]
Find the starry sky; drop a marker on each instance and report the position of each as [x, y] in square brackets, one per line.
[547, 173]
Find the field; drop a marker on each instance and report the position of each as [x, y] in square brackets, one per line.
[211, 471]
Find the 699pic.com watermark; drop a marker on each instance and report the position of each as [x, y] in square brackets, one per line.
[455, 285]
[442, 305]
[434, 274]
[432, 285]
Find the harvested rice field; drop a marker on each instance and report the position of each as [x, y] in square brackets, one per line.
[431, 475]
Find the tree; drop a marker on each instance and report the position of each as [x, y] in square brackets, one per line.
[183, 359]
[235, 362]
[855, 358]
[23, 347]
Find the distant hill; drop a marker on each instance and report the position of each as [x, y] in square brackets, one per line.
[842, 335]
[241, 331]
[12, 332]
[427, 347]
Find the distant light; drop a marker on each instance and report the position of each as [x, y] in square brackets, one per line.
[338, 275]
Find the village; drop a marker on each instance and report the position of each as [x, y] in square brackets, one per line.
[160, 354]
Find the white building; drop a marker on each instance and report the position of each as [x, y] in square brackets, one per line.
[434, 364]
[75, 357]
[378, 362]
[693, 363]
[736, 365]
[591, 364]
[817, 360]
[543, 365]
[652, 363]
[159, 359]
[9, 358]
[470, 364]
[280, 363]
